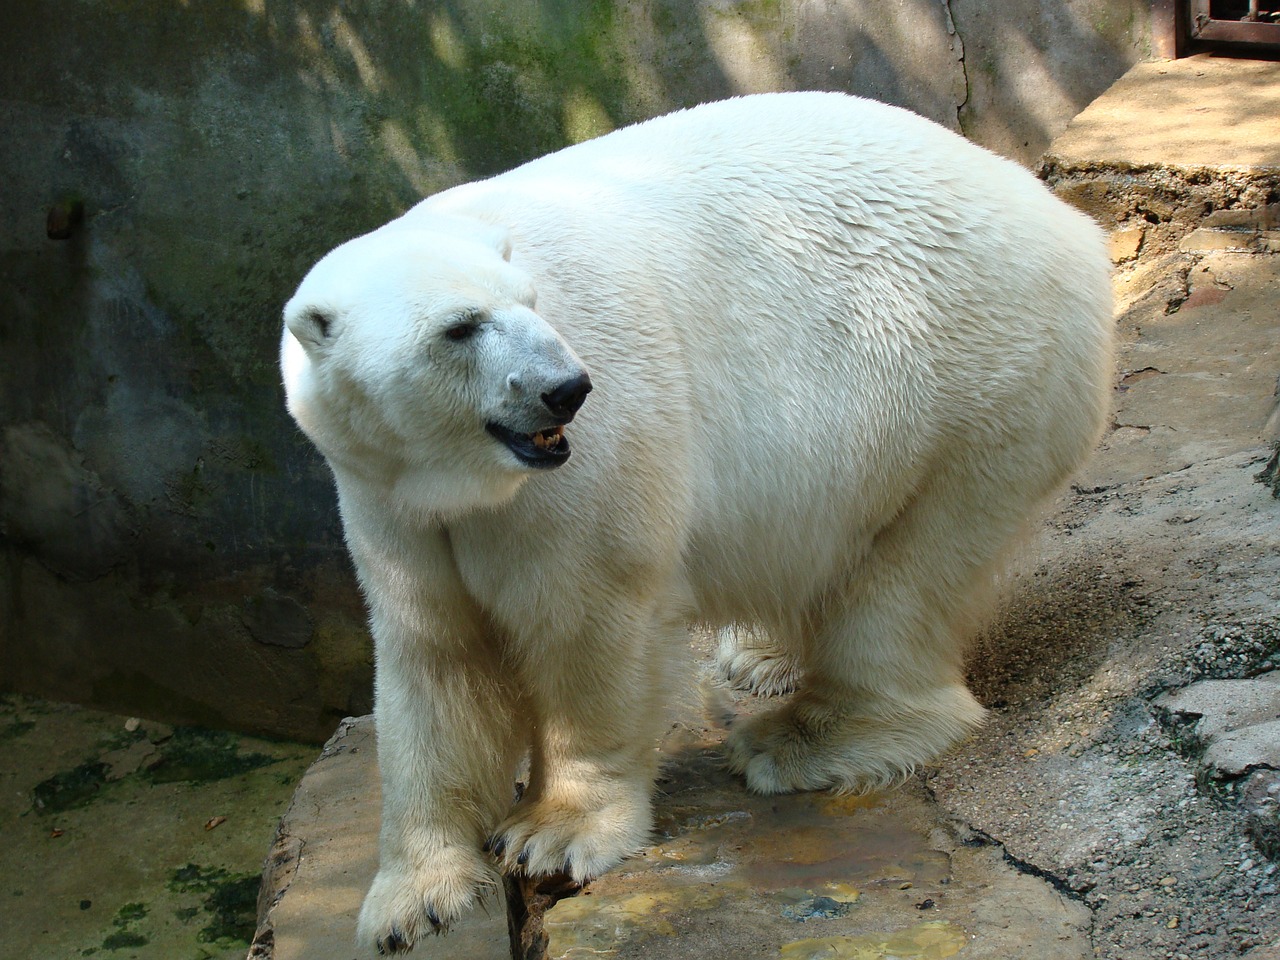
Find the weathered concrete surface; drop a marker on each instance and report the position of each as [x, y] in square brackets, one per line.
[325, 856]
[730, 874]
[1202, 112]
[169, 543]
[1236, 721]
[1223, 706]
[1159, 568]
[1208, 355]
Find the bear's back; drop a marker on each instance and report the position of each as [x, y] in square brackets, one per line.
[807, 300]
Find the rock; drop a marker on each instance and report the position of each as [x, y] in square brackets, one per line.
[278, 620]
[1125, 244]
[1205, 240]
[1250, 218]
[1227, 705]
[1239, 721]
[58, 507]
[1235, 753]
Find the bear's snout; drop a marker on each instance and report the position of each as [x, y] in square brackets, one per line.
[564, 400]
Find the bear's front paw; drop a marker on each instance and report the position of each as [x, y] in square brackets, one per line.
[405, 904]
[551, 836]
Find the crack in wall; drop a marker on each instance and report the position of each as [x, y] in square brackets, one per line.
[957, 47]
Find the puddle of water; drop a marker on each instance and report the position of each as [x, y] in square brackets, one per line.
[774, 865]
[587, 926]
[924, 941]
[132, 840]
[800, 854]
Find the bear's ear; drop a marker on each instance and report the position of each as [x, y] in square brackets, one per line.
[312, 326]
[500, 239]
[490, 234]
[505, 248]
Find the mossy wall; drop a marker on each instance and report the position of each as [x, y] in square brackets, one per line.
[169, 544]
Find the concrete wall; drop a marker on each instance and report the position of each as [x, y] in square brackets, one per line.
[168, 542]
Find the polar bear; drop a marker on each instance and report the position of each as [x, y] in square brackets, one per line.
[803, 363]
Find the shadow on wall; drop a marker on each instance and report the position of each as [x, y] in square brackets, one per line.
[1032, 66]
[492, 84]
[170, 542]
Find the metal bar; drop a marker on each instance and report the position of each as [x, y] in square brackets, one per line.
[1198, 13]
[1169, 31]
[1234, 31]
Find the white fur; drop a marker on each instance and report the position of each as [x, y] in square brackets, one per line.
[839, 356]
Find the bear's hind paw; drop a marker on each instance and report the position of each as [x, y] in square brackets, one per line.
[753, 663]
[804, 746]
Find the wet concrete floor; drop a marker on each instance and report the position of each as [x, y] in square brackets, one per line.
[123, 839]
[730, 874]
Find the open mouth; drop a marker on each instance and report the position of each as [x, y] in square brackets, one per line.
[543, 450]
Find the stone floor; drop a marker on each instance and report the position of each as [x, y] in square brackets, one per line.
[1088, 819]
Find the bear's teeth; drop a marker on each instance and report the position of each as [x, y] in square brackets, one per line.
[546, 439]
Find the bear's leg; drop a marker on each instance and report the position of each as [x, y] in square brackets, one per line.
[883, 687]
[447, 749]
[600, 712]
[750, 659]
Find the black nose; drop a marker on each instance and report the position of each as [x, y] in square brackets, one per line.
[564, 400]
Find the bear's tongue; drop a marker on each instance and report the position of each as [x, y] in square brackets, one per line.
[547, 439]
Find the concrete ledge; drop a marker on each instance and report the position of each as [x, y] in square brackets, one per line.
[1176, 147]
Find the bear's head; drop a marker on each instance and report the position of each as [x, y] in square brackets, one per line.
[414, 360]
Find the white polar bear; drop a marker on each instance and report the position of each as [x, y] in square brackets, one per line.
[837, 356]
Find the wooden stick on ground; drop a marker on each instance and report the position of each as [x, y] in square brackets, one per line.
[528, 900]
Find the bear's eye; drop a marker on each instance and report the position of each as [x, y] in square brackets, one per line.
[464, 328]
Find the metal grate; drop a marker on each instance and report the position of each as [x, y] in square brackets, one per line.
[1253, 22]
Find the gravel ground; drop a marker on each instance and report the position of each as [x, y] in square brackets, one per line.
[1143, 585]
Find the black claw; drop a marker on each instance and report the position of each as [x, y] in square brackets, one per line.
[523, 859]
[435, 921]
[394, 942]
[496, 845]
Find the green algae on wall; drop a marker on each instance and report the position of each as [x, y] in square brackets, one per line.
[502, 84]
